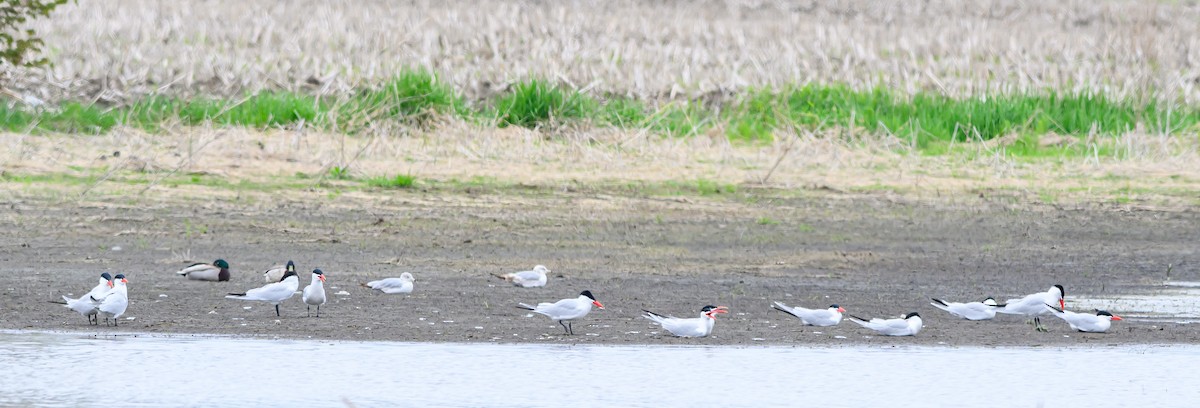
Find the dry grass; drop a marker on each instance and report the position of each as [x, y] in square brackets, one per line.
[117, 50]
[1150, 170]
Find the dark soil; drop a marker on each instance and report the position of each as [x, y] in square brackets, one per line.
[875, 256]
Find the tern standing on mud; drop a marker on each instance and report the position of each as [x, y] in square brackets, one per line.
[85, 305]
[274, 293]
[115, 302]
[1035, 305]
[566, 310]
[314, 293]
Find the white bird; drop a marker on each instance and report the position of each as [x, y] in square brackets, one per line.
[527, 279]
[273, 293]
[218, 271]
[403, 284]
[314, 293]
[910, 325]
[85, 305]
[984, 310]
[274, 273]
[566, 310]
[1035, 305]
[813, 317]
[1097, 323]
[698, 327]
[115, 302]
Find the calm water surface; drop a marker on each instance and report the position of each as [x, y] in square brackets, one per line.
[46, 369]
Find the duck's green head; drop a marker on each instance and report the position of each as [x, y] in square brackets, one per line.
[220, 263]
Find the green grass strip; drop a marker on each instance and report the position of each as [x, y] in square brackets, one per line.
[418, 97]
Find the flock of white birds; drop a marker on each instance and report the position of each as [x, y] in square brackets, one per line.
[110, 298]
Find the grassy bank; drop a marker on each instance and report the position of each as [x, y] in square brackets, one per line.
[930, 122]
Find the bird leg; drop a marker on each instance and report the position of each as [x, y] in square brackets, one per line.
[309, 314]
[1037, 324]
[276, 310]
[571, 328]
[566, 329]
[318, 310]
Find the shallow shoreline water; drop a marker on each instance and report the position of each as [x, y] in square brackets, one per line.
[173, 371]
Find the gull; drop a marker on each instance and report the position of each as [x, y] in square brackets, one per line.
[527, 279]
[403, 284]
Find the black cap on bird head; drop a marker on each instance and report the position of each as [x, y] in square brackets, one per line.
[291, 267]
[119, 276]
[708, 308]
[834, 306]
[220, 263]
[587, 293]
[912, 315]
[1102, 313]
[106, 276]
[1061, 290]
[318, 272]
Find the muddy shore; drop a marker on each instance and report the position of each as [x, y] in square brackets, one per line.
[874, 255]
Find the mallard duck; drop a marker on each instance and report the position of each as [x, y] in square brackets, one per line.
[218, 271]
[274, 273]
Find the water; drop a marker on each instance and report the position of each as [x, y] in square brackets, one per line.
[1173, 302]
[41, 369]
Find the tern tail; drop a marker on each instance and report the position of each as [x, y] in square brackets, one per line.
[525, 306]
[939, 301]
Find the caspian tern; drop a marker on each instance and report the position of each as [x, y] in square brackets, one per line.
[813, 317]
[527, 279]
[274, 273]
[273, 293]
[1035, 305]
[910, 325]
[115, 302]
[314, 293]
[85, 305]
[697, 327]
[218, 271]
[984, 310]
[1097, 323]
[566, 310]
[403, 284]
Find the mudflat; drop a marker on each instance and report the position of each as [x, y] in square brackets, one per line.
[876, 255]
